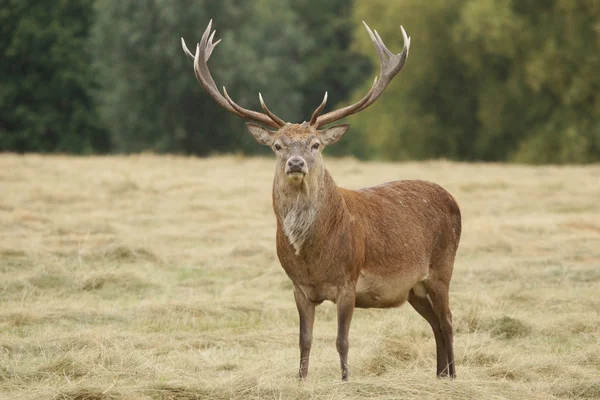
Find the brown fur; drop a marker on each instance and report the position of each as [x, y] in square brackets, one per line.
[375, 247]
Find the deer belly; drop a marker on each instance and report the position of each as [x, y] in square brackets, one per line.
[377, 291]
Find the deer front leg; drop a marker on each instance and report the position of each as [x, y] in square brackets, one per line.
[345, 309]
[306, 311]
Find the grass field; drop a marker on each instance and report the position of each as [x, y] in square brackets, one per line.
[155, 277]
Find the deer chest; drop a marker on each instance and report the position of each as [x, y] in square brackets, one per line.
[317, 278]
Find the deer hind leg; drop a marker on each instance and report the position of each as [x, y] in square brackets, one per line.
[345, 308]
[423, 305]
[438, 293]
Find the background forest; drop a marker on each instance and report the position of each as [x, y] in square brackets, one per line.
[486, 80]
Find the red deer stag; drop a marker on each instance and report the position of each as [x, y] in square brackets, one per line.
[374, 247]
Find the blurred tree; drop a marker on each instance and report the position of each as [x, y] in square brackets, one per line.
[150, 97]
[488, 80]
[45, 82]
[331, 64]
[562, 81]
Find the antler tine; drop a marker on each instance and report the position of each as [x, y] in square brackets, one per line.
[389, 66]
[313, 119]
[380, 52]
[269, 112]
[383, 46]
[211, 45]
[253, 115]
[348, 110]
[205, 78]
[389, 69]
[187, 51]
[204, 50]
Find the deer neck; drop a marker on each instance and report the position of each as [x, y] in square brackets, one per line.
[303, 209]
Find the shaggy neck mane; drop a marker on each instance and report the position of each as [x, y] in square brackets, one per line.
[298, 206]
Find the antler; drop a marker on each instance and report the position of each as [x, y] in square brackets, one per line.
[203, 51]
[389, 63]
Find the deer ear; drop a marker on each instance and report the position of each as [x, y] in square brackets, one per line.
[261, 134]
[333, 134]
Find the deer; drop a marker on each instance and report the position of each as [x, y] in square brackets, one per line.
[379, 246]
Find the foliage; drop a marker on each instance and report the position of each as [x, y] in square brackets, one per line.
[45, 81]
[489, 80]
[331, 64]
[150, 97]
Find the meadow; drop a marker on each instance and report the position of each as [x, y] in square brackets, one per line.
[156, 277]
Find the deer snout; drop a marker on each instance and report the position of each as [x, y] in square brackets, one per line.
[296, 165]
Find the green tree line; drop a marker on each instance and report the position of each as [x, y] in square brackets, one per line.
[486, 80]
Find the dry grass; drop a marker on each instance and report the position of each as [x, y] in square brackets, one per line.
[151, 277]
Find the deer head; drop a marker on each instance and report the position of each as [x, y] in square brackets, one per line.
[298, 147]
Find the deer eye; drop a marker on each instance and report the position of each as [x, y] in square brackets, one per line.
[277, 147]
[315, 146]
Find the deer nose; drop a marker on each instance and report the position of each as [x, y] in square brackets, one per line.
[295, 164]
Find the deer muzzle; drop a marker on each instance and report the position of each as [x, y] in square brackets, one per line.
[296, 167]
